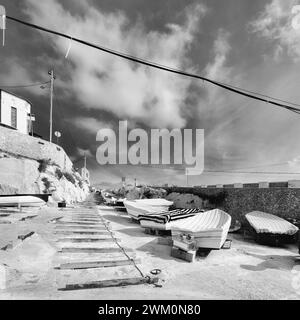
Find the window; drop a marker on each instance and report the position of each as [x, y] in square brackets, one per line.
[14, 117]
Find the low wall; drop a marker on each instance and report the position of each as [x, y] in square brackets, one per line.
[20, 174]
[19, 144]
[281, 201]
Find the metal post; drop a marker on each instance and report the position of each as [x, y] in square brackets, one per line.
[31, 125]
[51, 73]
[187, 180]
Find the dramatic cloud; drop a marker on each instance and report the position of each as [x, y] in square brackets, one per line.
[217, 69]
[102, 81]
[277, 23]
[248, 44]
[89, 124]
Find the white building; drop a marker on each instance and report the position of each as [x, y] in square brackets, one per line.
[15, 112]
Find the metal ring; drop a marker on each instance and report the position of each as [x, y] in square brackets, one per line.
[155, 271]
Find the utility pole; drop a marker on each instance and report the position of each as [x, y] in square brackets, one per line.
[84, 162]
[187, 177]
[52, 77]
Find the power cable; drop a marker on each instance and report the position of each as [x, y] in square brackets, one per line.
[24, 86]
[242, 92]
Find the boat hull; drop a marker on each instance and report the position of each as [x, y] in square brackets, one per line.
[207, 230]
[24, 201]
[164, 220]
[270, 229]
[136, 208]
[266, 223]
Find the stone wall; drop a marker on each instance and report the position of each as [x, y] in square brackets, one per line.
[281, 201]
[25, 146]
[19, 174]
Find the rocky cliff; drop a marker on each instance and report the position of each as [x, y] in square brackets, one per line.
[21, 175]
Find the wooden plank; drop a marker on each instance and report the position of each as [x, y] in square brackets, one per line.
[90, 256]
[98, 264]
[82, 236]
[76, 240]
[67, 227]
[84, 245]
[67, 276]
[106, 284]
[93, 250]
[84, 216]
[26, 235]
[81, 232]
[82, 222]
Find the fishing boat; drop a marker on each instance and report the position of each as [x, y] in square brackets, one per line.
[120, 202]
[270, 227]
[163, 220]
[138, 207]
[24, 201]
[108, 197]
[206, 230]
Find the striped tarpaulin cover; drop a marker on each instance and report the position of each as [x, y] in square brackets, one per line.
[263, 222]
[173, 215]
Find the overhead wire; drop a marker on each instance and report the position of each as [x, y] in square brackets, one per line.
[243, 92]
[23, 86]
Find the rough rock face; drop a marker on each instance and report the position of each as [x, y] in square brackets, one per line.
[185, 200]
[19, 175]
[64, 186]
[140, 192]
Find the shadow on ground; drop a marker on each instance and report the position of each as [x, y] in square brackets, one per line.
[278, 262]
[159, 251]
[121, 219]
[134, 232]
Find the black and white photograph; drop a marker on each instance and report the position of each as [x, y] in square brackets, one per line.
[149, 151]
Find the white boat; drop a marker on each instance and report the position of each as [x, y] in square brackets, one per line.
[24, 201]
[164, 220]
[120, 202]
[108, 198]
[138, 207]
[263, 222]
[206, 230]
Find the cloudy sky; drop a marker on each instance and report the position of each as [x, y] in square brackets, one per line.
[248, 44]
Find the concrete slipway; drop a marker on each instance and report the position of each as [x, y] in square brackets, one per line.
[45, 255]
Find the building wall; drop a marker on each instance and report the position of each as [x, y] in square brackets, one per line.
[19, 144]
[23, 108]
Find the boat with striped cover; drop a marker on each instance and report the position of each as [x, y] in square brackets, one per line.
[138, 207]
[164, 220]
[268, 226]
[206, 230]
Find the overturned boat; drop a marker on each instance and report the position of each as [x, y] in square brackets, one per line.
[23, 201]
[138, 207]
[163, 220]
[268, 227]
[206, 230]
